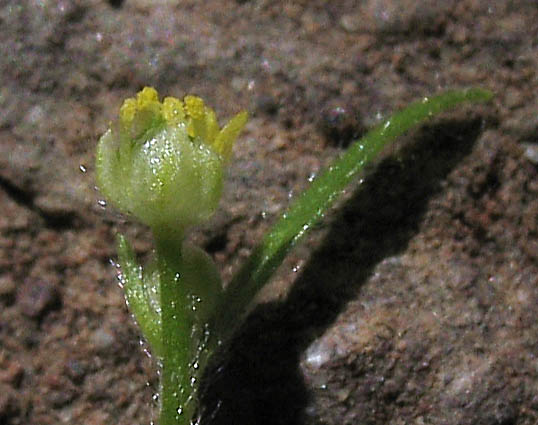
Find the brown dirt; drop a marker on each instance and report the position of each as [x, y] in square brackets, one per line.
[415, 302]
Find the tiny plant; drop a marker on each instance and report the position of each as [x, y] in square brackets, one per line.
[163, 162]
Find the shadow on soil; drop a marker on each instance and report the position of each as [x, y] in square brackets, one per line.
[258, 381]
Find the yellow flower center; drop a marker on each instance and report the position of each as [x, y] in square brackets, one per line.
[200, 120]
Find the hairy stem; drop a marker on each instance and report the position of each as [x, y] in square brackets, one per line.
[189, 283]
[175, 397]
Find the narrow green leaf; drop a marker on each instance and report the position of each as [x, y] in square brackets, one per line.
[141, 294]
[325, 189]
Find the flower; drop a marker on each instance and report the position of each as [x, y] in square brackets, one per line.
[163, 162]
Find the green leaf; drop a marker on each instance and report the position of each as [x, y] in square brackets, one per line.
[142, 295]
[311, 205]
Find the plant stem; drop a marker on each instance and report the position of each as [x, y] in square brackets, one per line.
[188, 281]
[175, 393]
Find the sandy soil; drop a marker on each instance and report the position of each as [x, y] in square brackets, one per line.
[415, 302]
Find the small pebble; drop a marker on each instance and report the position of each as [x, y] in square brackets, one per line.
[350, 23]
[514, 98]
[7, 287]
[340, 124]
[531, 152]
[36, 297]
[12, 374]
[102, 339]
[267, 104]
[76, 370]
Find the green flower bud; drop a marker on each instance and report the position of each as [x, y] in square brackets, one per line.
[163, 162]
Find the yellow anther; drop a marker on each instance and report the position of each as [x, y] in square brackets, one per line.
[164, 162]
[145, 111]
[146, 97]
[128, 110]
[194, 107]
[173, 111]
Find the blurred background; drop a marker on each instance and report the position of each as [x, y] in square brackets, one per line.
[414, 302]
